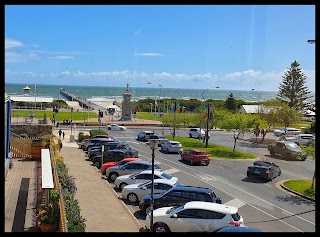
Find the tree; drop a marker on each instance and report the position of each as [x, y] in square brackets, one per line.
[292, 89]
[287, 116]
[236, 122]
[231, 103]
[306, 152]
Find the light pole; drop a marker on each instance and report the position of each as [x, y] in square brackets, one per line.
[71, 120]
[160, 87]
[35, 98]
[153, 143]
[151, 107]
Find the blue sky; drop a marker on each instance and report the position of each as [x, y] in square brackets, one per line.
[233, 47]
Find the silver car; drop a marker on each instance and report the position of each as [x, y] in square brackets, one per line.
[161, 139]
[141, 177]
[136, 192]
[130, 168]
[172, 146]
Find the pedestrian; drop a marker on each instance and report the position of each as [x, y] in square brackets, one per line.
[63, 134]
[60, 132]
[60, 145]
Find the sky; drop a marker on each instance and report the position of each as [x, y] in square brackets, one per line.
[236, 47]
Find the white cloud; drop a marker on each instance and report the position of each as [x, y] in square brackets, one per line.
[11, 43]
[148, 54]
[62, 57]
[20, 57]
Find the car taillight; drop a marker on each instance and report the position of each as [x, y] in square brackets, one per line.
[267, 171]
[233, 223]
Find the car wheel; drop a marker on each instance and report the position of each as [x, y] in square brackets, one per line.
[113, 176]
[82, 147]
[109, 128]
[121, 186]
[147, 210]
[160, 227]
[97, 164]
[190, 135]
[132, 197]
[279, 173]
[272, 153]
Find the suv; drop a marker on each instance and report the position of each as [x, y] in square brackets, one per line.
[95, 142]
[178, 196]
[161, 139]
[197, 133]
[144, 135]
[94, 151]
[130, 168]
[112, 155]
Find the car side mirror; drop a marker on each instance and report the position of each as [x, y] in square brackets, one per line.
[144, 187]
[123, 168]
[219, 200]
[133, 177]
[174, 216]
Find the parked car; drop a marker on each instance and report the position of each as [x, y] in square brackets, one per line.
[88, 140]
[101, 136]
[300, 139]
[112, 155]
[286, 131]
[94, 151]
[197, 133]
[144, 135]
[196, 156]
[136, 192]
[237, 229]
[96, 142]
[285, 148]
[130, 168]
[263, 169]
[194, 216]
[177, 196]
[115, 127]
[141, 177]
[172, 146]
[161, 139]
[119, 163]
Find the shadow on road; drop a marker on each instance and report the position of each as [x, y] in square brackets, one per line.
[295, 200]
[254, 180]
[283, 158]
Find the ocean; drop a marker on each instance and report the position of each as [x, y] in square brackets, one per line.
[95, 93]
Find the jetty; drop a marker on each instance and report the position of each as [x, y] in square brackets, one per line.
[82, 101]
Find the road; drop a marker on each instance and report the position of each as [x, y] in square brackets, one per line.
[262, 204]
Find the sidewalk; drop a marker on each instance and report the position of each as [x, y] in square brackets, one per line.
[98, 202]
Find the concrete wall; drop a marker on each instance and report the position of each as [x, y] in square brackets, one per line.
[32, 130]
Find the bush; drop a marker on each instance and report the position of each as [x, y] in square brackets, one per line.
[97, 132]
[82, 137]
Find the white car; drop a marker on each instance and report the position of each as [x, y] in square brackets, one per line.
[194, 216]
[286, 131]
[197, 133]
[115, 127]
[136, 192]
[141, 177]
[172, 146]
[303, 139]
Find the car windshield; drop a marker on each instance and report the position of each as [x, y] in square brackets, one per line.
[293, 147]
[167, 176]
[120, 163]
[174, 209]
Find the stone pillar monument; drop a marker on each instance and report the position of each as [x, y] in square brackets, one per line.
[126, 105]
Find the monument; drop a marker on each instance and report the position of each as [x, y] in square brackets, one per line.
[126, 105]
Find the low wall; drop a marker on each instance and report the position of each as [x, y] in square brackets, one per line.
[32, 130]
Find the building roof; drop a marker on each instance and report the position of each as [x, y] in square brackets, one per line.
[253, 109]
[32, 98]
[27, 88]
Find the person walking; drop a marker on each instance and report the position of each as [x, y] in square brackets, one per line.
[60, 132]
[63, 134]
[60, 145]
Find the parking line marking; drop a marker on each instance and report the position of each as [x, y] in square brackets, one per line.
[268, 185]
[171, 171]
[242, 175]
[235, 203]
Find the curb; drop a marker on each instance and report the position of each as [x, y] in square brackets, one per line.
[296, 193]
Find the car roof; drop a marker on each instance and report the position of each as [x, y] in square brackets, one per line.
[131, 159]
[157, 172]
[164, 181]
[192, 188]
[211, 207]
[147, 131]
[140, 162]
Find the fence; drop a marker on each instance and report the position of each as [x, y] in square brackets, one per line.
[20, 147]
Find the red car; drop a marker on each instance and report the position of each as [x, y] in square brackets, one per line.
[196, 156]
[121, 162]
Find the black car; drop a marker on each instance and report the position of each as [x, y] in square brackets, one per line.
[112, 155]
[263, 169]
[94, 151]
[178, 196]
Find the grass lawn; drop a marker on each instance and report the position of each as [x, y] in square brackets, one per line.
[302, 186]
[61, 115]
[213, 149]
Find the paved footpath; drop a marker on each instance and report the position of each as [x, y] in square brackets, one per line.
[99, 203]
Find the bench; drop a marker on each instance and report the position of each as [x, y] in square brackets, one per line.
[46, 173]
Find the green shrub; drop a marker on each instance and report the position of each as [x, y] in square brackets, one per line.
[97, 132]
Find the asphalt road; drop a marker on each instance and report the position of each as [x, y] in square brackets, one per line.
[262, 204]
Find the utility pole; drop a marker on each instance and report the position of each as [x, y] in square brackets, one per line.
[207, 132]
[174, 120]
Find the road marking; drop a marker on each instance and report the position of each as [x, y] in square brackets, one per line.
[133, 142]
[268, 185]
[235, 203]
[206, 177]
[171, 171]
[242, 175]
[221, 167]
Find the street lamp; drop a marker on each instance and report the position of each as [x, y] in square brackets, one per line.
[153, 143]
[208, 114]
[71, 120]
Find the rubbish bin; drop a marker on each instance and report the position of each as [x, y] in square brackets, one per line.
[36, 146]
